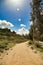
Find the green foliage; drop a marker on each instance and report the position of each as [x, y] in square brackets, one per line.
[37, 18]
[31, 33]
[30, 36]
[30, 42]
[32, 47]
[40, 49]
[38, 45]
[8, 39]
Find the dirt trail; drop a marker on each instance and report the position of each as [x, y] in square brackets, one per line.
[22, 55]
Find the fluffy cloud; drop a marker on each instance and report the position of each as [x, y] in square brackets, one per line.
[5, 24]
[31, 23]
[22, 31]
[22, 25]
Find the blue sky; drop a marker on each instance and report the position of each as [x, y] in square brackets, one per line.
[16, 12]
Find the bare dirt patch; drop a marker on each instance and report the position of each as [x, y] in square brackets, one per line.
[21, 55]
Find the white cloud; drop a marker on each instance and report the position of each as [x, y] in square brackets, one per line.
[31, 23]
[22, 25]
[22, 31]
[5, 24]
[11, 30]
[19, 19]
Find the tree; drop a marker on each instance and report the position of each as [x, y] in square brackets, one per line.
[37, 17]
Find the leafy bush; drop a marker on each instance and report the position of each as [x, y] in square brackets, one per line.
[1, 50]
[38, 45]
[30, 42]
[32, 47]
[6, 48]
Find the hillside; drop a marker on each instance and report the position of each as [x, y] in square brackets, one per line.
[8, 39]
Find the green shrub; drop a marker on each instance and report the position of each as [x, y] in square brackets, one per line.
[38, 45]
[32, 47]
[6, 48]
[1, 51]
[30, 42]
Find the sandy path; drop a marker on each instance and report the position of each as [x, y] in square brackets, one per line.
[22, 55]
